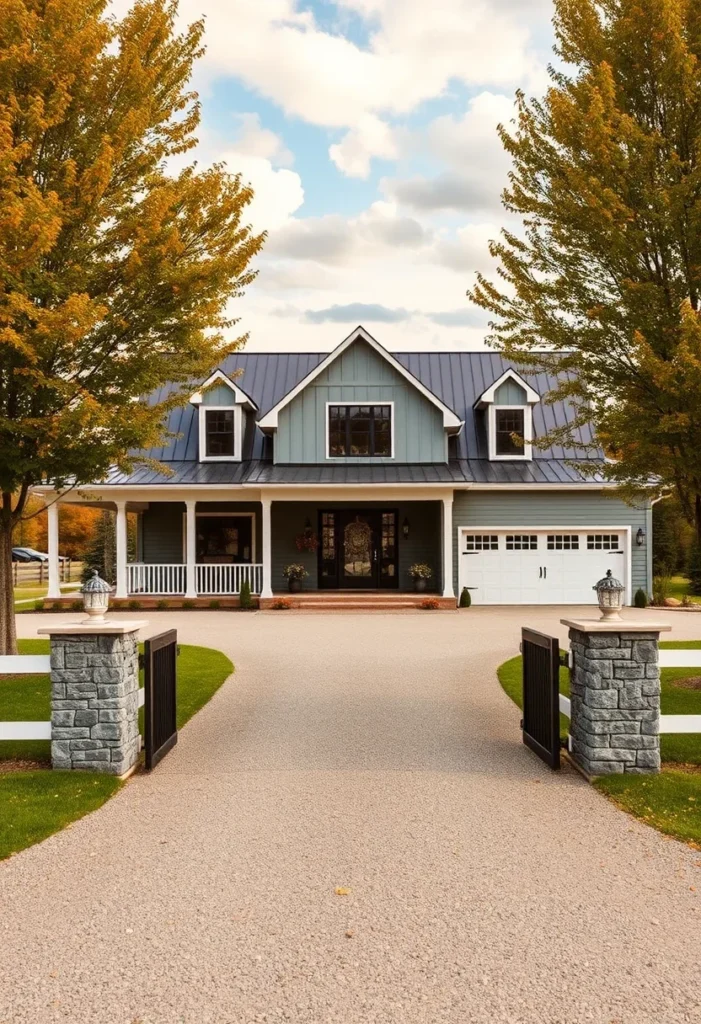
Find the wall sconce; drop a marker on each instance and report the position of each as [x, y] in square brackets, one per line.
[405, 529]
[640, 537]
[308, 528]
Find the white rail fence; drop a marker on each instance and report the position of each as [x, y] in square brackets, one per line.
[165, 580]
[669, 724]
[29, 665]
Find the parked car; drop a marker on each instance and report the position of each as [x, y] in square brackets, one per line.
[31, 555]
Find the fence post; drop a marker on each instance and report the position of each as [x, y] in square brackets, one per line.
[95, 696]
[615, 695]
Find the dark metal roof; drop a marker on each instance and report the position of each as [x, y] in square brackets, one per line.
[456, 378]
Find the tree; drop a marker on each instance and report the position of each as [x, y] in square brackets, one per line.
[602, 284]
[115, 272]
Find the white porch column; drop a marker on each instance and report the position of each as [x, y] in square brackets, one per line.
[121, 550]
[448, 590]
[267, 590]
[54, 574]
[190, 549]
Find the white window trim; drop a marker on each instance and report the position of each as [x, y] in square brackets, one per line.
[223, 515]
[356, 401]
[527, 455]
[238, 430]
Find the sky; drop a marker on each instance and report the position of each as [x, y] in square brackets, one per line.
[367, 129]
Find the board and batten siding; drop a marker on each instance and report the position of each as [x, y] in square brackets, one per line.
[220, 394]
[499, 509]
[360, 376]
[510, 393]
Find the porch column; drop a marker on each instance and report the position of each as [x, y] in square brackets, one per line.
[448, 590]
[267, 590]
[121, 551]
[190, 549]
[54, 574]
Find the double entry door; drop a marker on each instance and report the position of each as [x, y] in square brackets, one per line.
[358, 549]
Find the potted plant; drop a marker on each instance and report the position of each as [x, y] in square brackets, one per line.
[421, 574]
[294, 574]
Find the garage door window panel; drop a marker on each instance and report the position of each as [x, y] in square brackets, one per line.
[482, 542]
[563, 542]
[522, 542]
[603, 542]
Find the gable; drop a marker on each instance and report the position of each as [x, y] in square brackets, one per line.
[359, 376]
[510, 393]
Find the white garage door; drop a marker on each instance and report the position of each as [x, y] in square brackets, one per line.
[542, 566]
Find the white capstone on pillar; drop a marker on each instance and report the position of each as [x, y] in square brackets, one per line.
[267, 590]
[448, 590]
[54, 573]
[121, 550]
[190, 549]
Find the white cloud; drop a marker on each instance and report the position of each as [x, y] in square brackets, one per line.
[254, 140]
[370, 138]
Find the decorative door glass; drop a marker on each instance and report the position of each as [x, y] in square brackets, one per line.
[357, 548]
[388, 563]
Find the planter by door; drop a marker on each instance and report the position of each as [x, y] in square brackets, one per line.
[294, 586]
[420, 584]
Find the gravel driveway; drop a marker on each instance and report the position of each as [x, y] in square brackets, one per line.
[375, 753]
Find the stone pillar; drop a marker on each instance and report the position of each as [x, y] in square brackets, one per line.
[615, 695]
[95, 696]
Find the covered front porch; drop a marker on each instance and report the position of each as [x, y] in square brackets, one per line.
[194, 549]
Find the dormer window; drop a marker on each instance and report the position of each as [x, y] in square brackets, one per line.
[221, 404]
[509, 425]
[219, 433]
[508, 405]
[360, 431]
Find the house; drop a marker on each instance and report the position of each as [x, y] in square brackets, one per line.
[359, 463]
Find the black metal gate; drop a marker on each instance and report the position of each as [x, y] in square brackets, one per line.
[160, 704]
[541, 695]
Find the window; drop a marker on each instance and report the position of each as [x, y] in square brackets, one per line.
[603, 542]
[563, 542]
[219, 433]
[360, 431]
[507, 423]
[481, 542]
[522, 542]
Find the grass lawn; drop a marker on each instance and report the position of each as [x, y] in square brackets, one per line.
[34, 804]
[679, 588]
[670, 801]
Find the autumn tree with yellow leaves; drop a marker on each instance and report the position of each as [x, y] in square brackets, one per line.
[603, 283]
[115, 269]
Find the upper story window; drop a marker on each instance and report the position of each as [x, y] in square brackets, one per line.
[509, 432]
[219, 433]
[360, 431]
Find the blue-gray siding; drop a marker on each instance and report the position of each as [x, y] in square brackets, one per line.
[220, 394]
[564, 508]
[360, 375]
[510, 393]
[162, 525]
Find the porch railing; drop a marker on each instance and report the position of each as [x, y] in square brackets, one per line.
[210, 580]
[228, 579]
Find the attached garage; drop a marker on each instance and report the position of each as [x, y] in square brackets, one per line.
[541, 565]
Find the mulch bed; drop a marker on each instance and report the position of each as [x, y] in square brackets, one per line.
[7, 767]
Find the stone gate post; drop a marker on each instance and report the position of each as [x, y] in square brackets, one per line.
[95, 696]
[615, 695]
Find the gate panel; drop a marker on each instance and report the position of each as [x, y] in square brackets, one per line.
[160, 705]
[541, 695]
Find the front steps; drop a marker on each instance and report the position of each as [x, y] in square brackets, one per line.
[347, 601]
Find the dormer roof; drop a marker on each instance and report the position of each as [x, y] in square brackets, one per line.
[489, 396]
[219, 377]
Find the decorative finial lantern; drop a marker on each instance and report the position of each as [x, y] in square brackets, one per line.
[96, 597]
[610, 592]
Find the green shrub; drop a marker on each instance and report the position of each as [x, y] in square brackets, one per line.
[660, 589]
[161, 605]
[215, 604]
[245, 595]
[187, 605]
[465, 599]
[640, 598]
[134, 606]
[39, 606]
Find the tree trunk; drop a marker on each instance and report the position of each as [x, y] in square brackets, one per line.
[697, 518]
[8, 633]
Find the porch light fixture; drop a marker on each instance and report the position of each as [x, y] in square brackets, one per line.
[640, 537]
[405, 528]
[609, 592]
[96, 598]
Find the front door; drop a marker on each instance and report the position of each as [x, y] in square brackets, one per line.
[358, 550]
